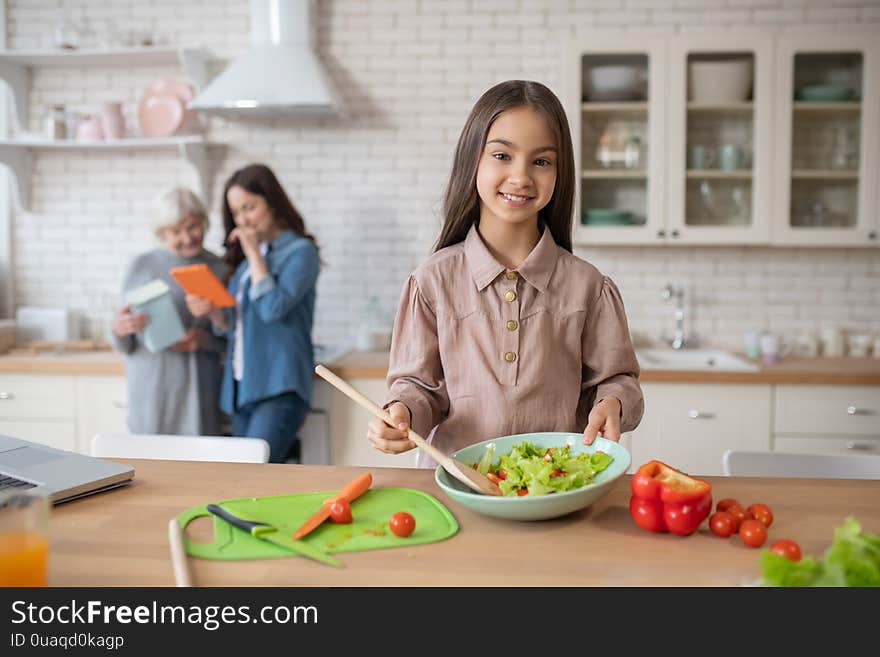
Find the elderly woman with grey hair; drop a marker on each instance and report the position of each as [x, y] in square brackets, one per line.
[176, 390]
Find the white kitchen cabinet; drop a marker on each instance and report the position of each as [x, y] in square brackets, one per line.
[63, 410]
[741, 170]
[828, 143]
[15, 69]
[619, 196]
[40, 408]
[101, 408]
[817, 419]
[726, 197]
[689, 426]
[348, 429]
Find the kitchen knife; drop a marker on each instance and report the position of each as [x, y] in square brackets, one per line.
[353, 489]
[271, 534]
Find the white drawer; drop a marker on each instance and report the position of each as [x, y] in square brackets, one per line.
[843, 445]
[828, 409]
[37, 396]
[59, 434]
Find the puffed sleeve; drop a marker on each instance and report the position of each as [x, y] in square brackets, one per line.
[415, 373]
[610, 367]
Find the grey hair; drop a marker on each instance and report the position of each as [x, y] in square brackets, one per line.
[172, 206]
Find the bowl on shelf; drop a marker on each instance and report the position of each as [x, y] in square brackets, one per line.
[823, 93]
[614, 82]
[720, 81]
[536, 507]
[606, 217]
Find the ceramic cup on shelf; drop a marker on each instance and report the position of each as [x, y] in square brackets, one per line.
[773, 348]
[89, 129]
[729, 157]
[700, 157]
[833, 342]
[859, 344]
[112, 121]
[806, 345]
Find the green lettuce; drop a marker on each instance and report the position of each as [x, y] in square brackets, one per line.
[528, 466]
[852, 559]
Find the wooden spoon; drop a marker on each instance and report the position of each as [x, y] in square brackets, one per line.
[466, 475]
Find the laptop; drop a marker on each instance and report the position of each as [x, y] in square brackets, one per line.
[63, 475]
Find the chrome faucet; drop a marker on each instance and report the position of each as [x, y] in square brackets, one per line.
[675, 293]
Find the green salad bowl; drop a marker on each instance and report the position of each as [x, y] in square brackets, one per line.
[536, 507]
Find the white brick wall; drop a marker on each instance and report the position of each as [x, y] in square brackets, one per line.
[370, 186]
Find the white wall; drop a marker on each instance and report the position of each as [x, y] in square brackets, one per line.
[370, 186]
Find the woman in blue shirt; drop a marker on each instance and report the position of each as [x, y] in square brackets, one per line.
[267, 380]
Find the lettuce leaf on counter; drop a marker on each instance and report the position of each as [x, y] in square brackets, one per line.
[852, 559]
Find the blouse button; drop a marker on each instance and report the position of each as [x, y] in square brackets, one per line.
[511, 325]
[511, 275]
[510, 356]
[510, 295]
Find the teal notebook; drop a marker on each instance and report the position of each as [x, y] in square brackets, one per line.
[164, 327]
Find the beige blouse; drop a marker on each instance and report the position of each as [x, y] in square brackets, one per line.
[479, 351]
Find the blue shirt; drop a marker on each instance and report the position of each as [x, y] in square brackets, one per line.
[277, 317]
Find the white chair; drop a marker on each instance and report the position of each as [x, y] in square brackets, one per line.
[181, 448]
[786, 464]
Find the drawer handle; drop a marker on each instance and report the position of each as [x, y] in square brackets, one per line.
[851, 444]
[855, 410]
[6, 395]
[700, 415]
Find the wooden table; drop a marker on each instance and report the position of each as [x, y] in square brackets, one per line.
[120, 538]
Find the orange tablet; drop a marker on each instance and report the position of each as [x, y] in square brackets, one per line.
[200, 281]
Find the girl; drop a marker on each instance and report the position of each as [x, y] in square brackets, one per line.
[503, 330]
[267, 381]
[173, 391]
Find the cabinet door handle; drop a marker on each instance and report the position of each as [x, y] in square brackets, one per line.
[855, 410]
[6, 395]
[851, 444]
[700, 415]
[120, 404]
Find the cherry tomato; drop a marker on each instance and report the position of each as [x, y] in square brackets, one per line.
[753, 532]
[522, 491]
[739, 514]
[761, 512]
[788, 549]
[493, 477]
[726, 503]
[722, 524]
[340, 511]
[502, 474]
[402, 524]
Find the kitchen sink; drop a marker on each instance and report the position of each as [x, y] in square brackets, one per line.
[693, 359]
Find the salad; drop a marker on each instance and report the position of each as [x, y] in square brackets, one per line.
[532, 470]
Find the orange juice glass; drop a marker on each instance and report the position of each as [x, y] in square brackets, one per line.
[24, 538]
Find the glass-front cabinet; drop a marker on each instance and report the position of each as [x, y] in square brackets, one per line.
[720, 151]
[828, 140]
[616, 106]
[727, 138]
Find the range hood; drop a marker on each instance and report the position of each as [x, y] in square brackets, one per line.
[280, 74]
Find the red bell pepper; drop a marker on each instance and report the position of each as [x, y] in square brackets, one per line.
[665, 499]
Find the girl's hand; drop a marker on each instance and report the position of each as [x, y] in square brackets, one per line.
[127, 323]
[604, 420]
[198, 306]
[247, 237]
[391, 440]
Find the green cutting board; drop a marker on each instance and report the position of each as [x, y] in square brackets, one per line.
[367, 531]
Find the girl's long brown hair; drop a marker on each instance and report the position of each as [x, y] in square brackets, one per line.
[461, 203]
[259, 179]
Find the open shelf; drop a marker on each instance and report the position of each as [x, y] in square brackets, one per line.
[635, 106]
[841, 106]
[824, 174]
[720, 107]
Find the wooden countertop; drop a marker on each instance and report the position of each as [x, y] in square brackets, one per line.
[374, 365]
[838, 371]
[120, 537]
